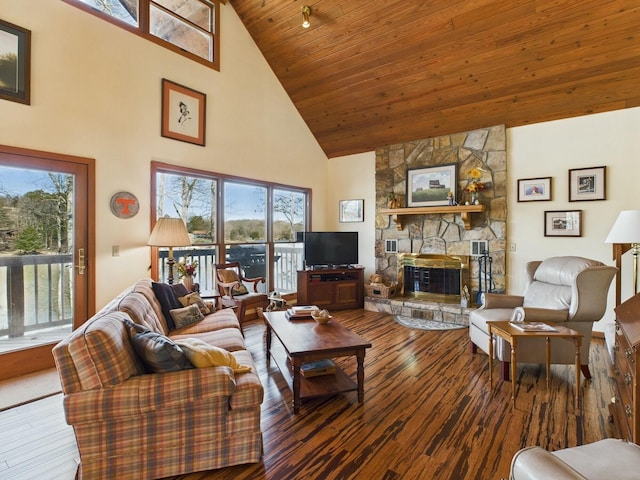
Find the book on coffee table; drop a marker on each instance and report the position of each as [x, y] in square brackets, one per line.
[533, 327]
[300, 312]
[317, 368]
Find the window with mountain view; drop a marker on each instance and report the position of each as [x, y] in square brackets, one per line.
[252, 222]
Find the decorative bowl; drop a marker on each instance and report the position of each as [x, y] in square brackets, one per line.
[322, 316]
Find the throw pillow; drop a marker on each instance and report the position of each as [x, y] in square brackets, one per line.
[186, 315]
[179, 289]
[158, 353]
[195, 299]
[203, 355]
[230, 276]
[168, 301]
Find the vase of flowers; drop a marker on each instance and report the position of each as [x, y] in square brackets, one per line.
[187, 271]
[475, 186]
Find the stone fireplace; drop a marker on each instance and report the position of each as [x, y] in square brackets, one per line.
[441, 233]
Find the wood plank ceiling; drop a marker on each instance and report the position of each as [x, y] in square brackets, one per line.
[377, 72]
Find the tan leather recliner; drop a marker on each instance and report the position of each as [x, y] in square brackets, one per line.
[602, 460]
[568, 290]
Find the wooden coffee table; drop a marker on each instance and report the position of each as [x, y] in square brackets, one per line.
[506, 331]
[305, 341]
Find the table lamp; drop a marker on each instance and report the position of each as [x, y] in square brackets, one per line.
[626, 229]
[169, 232]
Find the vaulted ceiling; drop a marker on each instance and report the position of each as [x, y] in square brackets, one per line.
[377, 72]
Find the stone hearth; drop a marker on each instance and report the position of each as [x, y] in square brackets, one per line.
[411, 307]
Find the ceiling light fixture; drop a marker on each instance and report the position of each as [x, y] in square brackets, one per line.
[306, 12]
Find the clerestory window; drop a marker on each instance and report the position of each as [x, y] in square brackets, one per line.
[187, 27]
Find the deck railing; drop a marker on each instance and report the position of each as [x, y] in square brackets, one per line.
[35, 293]
[36, 290]
[288, 259]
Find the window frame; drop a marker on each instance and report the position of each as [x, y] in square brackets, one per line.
[143, 29]
[219, 241]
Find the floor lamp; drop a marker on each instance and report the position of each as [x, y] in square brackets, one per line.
[169, 232]
[626, 229]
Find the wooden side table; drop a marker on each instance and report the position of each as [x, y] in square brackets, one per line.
[511, 334]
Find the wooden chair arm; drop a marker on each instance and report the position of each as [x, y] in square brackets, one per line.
[255, 282]
[228, 288]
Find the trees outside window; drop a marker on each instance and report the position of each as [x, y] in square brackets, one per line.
[251, 221]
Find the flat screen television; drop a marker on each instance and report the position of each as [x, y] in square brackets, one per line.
[334, 249]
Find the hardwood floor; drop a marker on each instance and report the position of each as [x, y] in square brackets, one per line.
[428, 412]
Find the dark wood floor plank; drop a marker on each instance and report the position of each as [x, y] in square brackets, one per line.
[428, 412]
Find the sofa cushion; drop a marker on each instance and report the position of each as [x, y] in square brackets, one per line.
[224, 318]
[186, 315]
[230, 339]
[137, 306]
[102, 353]
[203, 355]
[168, 301]
[158, 352]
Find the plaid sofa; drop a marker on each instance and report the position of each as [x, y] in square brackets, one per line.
[135, 425]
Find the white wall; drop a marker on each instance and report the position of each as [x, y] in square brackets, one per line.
[353, 177]
[551, 149]
[547, 149]
[95, 92]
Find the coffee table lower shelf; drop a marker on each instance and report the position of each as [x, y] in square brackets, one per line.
[313, 387]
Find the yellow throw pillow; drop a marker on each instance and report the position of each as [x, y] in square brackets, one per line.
[195, 299]
[203, 355]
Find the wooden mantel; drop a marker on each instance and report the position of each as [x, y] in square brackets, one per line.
[465, 212]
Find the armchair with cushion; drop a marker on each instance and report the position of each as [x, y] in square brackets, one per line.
[602, 460]
[568, 290]
[230, 283]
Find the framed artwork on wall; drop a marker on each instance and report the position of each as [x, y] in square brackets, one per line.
[534, 189]
[430, 187]
[183, 113]
[587, 184]
[563, 223]
[351, 211]
[15, 63]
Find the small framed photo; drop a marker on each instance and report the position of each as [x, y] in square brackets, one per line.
[351, 211]
[183, 113]
[587, 184]
[534, 189]
[430, 187]
[563, 223]
[15, 63]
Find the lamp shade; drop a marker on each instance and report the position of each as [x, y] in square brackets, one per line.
[169, 232]
[626, 228]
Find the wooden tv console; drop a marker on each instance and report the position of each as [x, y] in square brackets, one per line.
[333, 289]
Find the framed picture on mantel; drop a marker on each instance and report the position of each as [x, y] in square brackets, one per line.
[430, 187]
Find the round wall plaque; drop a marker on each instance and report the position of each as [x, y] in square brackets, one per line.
[124, 205]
